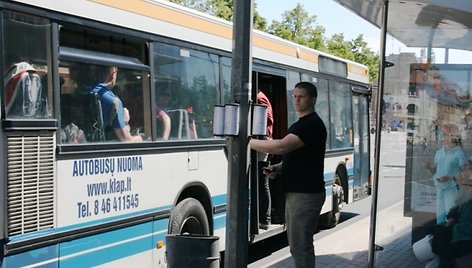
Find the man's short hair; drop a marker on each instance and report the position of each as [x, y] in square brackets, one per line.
[309, 87]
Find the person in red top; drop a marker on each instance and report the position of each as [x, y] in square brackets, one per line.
[264, 193]
[264, 100]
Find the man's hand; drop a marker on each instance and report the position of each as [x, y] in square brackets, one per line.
[271, 172]
[126, 115]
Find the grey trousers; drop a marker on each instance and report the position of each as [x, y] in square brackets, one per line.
[301, 215]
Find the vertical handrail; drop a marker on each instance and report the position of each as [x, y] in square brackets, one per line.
[378, 126]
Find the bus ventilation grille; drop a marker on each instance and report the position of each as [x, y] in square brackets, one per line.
[30, 192]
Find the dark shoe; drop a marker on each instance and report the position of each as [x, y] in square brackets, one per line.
[278, 219]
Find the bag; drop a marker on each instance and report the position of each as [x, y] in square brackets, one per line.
[423, 250]
[23, 92]
[72, 134]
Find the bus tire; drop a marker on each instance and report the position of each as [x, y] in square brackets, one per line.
[331, 218]
[189, 217]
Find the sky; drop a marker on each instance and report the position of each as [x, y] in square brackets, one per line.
[329, 14]
[337, 19]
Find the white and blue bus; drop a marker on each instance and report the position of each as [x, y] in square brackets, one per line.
[73, 195]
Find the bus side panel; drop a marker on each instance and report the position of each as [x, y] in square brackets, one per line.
[123, 247]
[97, 190]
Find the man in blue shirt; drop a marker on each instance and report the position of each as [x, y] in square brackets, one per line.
[113, 112]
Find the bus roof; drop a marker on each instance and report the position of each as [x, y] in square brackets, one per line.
[414, 23]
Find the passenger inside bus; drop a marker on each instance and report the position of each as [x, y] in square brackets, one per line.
[98, 82]
[174, 121]
[163, 103]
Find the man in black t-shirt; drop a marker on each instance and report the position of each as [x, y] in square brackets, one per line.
[303, 150]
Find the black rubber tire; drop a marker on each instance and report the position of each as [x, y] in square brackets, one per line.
[331, 219]
[189, 217]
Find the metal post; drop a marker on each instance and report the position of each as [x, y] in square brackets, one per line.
[236, 254]
[373, 213]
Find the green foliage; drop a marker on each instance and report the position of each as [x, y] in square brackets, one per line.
[340, 47]
[299, 27]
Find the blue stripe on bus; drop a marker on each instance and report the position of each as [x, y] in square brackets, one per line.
[34, 256]
[114, 245]
[219, 220]
[18, 238]
[95, 250]
[217, 200]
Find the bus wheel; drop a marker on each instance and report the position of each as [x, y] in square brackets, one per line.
[331, 218]
[189, 217]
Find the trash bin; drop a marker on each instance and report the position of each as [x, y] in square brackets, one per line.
[196, 251]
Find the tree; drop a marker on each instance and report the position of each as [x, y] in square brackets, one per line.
[363, 54]
[223, 9]
[339, 47]
[299, 27]
[259, 23]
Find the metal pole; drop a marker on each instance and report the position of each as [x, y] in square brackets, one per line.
[373, 213]
[237, 234]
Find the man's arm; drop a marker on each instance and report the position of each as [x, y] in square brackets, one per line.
[124, 135]
[166, 125]
[283, 146]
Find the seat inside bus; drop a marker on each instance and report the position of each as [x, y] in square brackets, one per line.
[84, 111]
[182, 124]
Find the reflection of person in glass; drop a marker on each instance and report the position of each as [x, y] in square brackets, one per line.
[448, 163]
[454, 238]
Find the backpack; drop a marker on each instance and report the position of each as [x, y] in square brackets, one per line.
[23, 92]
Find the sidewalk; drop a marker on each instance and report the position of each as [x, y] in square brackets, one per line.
[348, 247]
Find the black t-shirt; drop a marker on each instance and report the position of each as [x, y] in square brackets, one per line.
[303, 168]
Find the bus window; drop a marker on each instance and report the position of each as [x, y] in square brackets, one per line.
[322, 105]
[341, 115]
[27, 68]
[226, 73]
[84, 109]
[193, 77]
[105, 82]
[292, 79]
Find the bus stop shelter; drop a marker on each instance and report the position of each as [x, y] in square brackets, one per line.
[431, 81]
